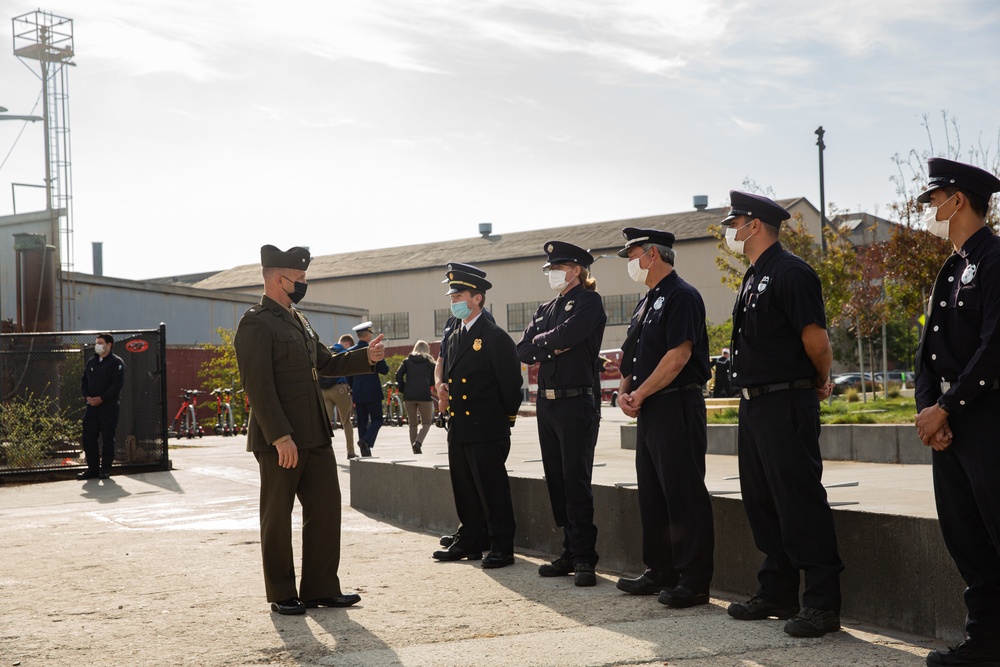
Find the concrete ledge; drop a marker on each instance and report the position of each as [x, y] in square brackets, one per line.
[898, 575]
[874, 443]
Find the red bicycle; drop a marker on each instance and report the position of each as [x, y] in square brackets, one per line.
[224, 424]
[185, 421]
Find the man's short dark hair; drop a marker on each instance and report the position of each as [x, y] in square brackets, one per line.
[474, 292]
[347, 337]
[978, 205]
[108, 338]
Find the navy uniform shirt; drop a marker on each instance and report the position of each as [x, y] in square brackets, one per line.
[675, 314]
[959, 344]
[104, 378]
[781, 295]
[574, 322]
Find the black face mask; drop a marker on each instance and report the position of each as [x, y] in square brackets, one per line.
[299, 292]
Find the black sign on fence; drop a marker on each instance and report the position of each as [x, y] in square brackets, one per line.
[41, 403]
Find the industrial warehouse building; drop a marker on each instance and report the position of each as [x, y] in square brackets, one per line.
[400, 287]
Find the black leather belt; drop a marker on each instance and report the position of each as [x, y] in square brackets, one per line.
[567, 393]
[673, 390]
[945, 386]
[760, 390]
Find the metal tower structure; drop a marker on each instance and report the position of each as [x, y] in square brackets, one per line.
[47, 39]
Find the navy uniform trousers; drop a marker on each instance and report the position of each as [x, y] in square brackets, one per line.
[482, 493]
[567, 434]
[100, 420]
[314, 482]
[781, 475]
[967, 490]
[678, 536]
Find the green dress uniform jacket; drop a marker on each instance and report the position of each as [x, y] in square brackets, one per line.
[280, 359]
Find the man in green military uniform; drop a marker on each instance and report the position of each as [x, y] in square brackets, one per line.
[280, 359]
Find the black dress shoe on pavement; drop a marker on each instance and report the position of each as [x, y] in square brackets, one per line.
[336, 601]
[963, 655]
[560, 567]
[365, 449]
[585, 575]
[497, 559]
[681, 597]
[448, 540]
[455, 552]
[757, 609]
[812, 623]
[88, 474]
[351, 456]
[650, 583]
[105, 474]
[416, 448]
[289, 607]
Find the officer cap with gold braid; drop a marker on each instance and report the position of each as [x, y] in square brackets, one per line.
[293, 258]
[465, 277]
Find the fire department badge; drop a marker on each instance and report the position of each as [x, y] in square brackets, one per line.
[968, 274]
[762, 285]
[477, 344]
[658, 303]
[569, 306]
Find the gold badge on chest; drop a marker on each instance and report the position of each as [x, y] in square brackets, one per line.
[477, 344]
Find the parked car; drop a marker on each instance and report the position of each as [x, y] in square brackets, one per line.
[905, 379]
[846, 381]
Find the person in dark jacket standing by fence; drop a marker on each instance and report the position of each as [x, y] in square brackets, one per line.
[101, 387]
[366, 390]
[415, 378]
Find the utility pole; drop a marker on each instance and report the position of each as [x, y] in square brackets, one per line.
[822, 193]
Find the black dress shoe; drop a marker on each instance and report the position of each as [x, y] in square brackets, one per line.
[560, 567]
[88, 474]
[497, 559]
[965, 654]
[681, 597]
[336, 601]
[105, 474]
[650, 583]
[585, 575]
[448, 540]
[455, 552]
[757, 609]
[812, 623]
[416, 448]
[289, 607]
[365, 449]
[351, 456]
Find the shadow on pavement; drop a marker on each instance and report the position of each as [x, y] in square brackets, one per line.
[103, 491]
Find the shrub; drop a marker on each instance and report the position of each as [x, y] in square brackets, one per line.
[852, 395]
[31, 427]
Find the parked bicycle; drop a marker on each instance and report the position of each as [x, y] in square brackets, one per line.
[394, 412]
[185, 421]
[224, 424]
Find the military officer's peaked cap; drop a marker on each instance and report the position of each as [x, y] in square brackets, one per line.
[635, 236]
[364, 326]
[465, 277]
[559, 252]
[755, 206]
[943, 173]
[293, 258]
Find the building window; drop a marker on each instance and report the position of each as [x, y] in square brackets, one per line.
[519, 314]
[619, 307]
[394, 325]
[441, 316]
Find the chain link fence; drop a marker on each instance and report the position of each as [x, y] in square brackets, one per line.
[41, 404]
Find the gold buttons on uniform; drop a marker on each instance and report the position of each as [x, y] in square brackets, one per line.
[452, 413]
[463, 380]
[464, 397]
[466, 412]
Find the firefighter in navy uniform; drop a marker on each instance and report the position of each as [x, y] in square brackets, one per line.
[481, 391]
[664, 367]
[781, 362]
[958, 397]
[564, 338]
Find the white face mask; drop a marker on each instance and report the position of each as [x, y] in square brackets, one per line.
[734, 245]
[635, 273]
[557, 280]
[99, 349]
[935, 226]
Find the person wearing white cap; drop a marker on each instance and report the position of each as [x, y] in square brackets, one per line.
[366, 391]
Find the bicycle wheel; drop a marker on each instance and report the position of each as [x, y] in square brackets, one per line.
[399, 410]
[190, 425]
[230, 424]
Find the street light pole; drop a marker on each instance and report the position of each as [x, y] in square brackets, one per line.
[822, 194]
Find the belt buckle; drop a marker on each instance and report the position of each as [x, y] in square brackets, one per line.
[745, 392]
[550, 394]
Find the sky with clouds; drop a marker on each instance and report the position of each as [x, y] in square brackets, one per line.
[202, 130]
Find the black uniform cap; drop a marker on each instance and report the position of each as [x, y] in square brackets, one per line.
[559, 252]
[293, 258]
[755, 206]
[635, 236]
[943, 173]
[465, 277]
